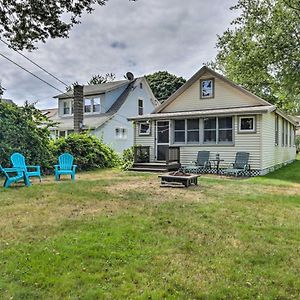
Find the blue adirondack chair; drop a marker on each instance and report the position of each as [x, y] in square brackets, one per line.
[18, 161]
[65, 166]
[13, 175]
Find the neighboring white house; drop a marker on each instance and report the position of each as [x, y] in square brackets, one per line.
[106, 109]
[209, 112]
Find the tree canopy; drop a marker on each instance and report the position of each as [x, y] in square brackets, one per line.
[25, 130]
[95, 79]
[262, 50]
[24, 23]
[164, 84]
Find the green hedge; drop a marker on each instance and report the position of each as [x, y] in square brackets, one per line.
[89, 152]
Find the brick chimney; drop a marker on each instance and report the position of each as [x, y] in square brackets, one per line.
[78, 108]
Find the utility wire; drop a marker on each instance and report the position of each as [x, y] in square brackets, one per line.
[31, 73]
[37, 65]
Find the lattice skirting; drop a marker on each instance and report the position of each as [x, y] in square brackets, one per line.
[250, 173]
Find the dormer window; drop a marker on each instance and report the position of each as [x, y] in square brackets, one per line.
[207, 88]
[92, 105]
[66, 107]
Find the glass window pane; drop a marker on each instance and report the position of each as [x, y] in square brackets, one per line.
[144, 128]
[207, 88]
[210, 123]
[96, 105]
[225, 136]
[193, 136]
[192, 124]
[179, 124]
[210, 136]
[225, 122]
[163, 132]
[66, 108]
[87, 105]
[247, 124]
[179, 137]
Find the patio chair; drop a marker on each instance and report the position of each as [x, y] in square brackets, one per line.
[18, 161]
[200, 165]
[13, 175]
[65, 166]
[240, 166]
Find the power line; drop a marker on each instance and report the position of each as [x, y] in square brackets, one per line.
[31, 73]
[34, 63]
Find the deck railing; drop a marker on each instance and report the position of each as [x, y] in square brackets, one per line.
[141, 154]
[173, 155]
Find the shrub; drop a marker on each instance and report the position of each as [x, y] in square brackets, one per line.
[127, 158]
[89, 152]
[25, 130]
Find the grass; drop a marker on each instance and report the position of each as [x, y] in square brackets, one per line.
[117, 235]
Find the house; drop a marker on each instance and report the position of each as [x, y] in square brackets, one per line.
[209, 112]
[105, 110]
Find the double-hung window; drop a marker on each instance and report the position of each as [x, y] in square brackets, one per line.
[286, 133]
[210, 130]
[92, 105]
[66, 107]
[140, 107]
[283, 132]
[225, 130]
[192, 131]
[179, 131]
[276, 130]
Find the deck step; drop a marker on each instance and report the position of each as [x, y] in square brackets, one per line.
[148, 169]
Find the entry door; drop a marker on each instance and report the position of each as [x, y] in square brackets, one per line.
[162, 139]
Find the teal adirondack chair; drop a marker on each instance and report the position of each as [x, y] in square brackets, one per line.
[18, 161]
[65, 166]
[13, 175]
[241, 164]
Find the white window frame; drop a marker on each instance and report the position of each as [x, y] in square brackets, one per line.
[123, 133]
[212, 95]
[144, 133]
[71, 107]
[201, 133]
[138, 106]
[92, 105]
[253, 130]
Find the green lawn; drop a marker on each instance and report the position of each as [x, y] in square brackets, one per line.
[117, 235]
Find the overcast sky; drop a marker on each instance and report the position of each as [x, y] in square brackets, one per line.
[142, 37]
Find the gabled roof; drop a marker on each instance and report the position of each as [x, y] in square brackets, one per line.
[94, 89]
[50, 112]
[197, 77]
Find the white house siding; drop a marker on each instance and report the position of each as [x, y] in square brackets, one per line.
[225, 96]
[248, 142]
[146, 140]
[275, 155]
[119, 120]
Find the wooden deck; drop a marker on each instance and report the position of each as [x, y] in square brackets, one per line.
[156, 166]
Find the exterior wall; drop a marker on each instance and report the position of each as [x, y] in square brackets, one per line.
[128, 109]
[273, 155]
[146, 140]
[249, 142]
[109, 98]
[225, 96]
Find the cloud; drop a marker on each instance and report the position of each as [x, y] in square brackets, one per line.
[141, 37]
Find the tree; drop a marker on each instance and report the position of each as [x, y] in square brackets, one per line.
[25, 130]
[262, 51]
[96, 79]
[164, 84]
[23, 23]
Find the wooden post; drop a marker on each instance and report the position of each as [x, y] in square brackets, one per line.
[78, 108]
